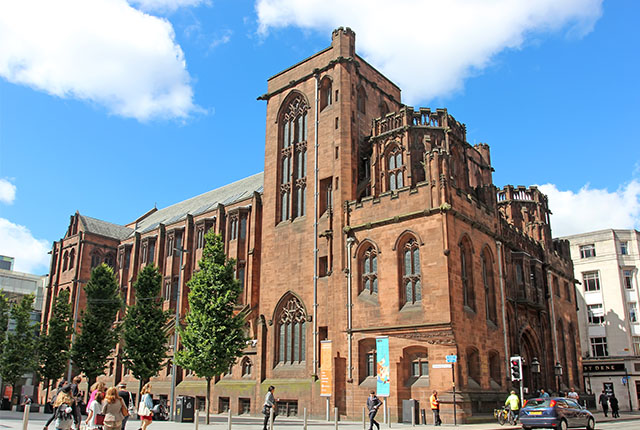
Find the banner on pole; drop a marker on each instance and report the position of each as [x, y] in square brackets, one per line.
[382, 366]
[326, 368]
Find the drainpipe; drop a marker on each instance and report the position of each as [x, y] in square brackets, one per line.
[502, 302]
[350, 241]
[315, 235]
[553, 318]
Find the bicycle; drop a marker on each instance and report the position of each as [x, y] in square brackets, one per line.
[504, 415]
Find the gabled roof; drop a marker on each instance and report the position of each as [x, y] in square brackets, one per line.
[226, 195]
[103, 228]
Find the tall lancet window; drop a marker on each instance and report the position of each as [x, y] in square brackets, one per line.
[293, 159]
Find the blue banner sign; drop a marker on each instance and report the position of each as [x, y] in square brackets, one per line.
[452, 358]
[382, 366]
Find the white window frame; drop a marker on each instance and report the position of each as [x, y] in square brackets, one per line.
[624, 248]
[602, 341]
[587, 251]
[595, 314]
[632, 307]
[596, 275]
[627, 285]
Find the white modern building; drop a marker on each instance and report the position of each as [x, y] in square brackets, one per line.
[606, 265]
[14, 285]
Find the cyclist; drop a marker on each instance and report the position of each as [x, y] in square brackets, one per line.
[513, 405]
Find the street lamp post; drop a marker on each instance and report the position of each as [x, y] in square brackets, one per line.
[175, 336]
[557, 369]
[535, 369]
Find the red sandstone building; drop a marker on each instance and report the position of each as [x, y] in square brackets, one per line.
[370, 219]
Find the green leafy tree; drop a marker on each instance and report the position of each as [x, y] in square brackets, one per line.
[213, 336]
[54, 347]
[19, 349]
[145, 327]
[98, 335]
[4, 318]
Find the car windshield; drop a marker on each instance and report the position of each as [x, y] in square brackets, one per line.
[538, 403]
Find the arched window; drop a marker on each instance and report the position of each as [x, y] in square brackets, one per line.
[495, 367]
[325, 93]
[110, 259]
[293, 159]
[367, 359]
[466, 273]
[562, 352]
[473, 367]
[362, 99]
[410, 260]
[246, 366]
[384, 108]
[65, 260]
[291, 332]
[574, 358]
[369, 270]
[72, 258]
[95, 259]
[395, 168]
[489, 287]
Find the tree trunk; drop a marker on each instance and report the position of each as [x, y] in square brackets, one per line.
[208, 403]
[90, 381]
[141, 383]
[46, 396]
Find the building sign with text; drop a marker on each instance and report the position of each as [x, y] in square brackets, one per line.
[326, 368]
[606, 367]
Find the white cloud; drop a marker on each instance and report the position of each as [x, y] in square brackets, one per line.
[224, 38]
[593, 209]
[7, 192]
[30, 253]
[166, 5]
[430, 46]
[102, 51]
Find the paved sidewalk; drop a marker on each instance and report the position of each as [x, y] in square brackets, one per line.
[13, 421]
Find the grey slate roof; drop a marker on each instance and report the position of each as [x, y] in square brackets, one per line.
[104, 228]
[226, 195]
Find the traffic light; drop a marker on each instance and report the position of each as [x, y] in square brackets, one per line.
[516, 368]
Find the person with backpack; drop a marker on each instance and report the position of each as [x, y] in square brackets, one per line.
[95, 420]
[63, 413]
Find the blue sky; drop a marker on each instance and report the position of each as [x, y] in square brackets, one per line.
[112, 106]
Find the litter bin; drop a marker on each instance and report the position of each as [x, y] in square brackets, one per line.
[185, 408]
[406, 411]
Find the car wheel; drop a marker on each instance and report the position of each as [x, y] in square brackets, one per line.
[526, 428]
[591, 424]
[563, 425]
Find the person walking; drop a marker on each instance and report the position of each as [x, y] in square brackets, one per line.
[95, 409]
[573, 394]
[126, 397]
[435, 408]
[113, 409]
[604, 402]
[373, 403]
[544, 394]
[144, 408]
[63, 410]
[615, 409]
[95, 388]
[513, 405]
[269, 403]
[77, 396]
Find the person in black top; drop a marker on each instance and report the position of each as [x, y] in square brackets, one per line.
[613, 401]
[125, 395]
[604, 402]
[77, 396]
[373, 403]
